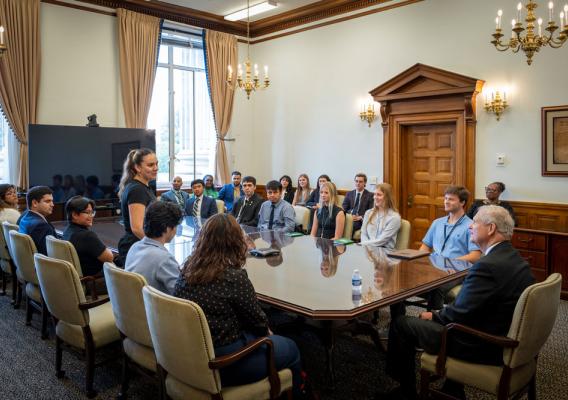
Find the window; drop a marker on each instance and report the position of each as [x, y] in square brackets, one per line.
[5, 133]
[181, 112]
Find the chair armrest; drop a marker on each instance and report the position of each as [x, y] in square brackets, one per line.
[502, 341]
[91, 281]
[94, 303]
[223, 361]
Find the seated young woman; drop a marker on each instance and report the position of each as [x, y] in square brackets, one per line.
[8, 204]
[382, 222]
[214, 278]
[313, 201]
[288, 190]
[210, 190]
[329, 219]
[303, 191]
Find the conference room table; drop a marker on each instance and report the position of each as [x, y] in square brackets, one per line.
[311, 277]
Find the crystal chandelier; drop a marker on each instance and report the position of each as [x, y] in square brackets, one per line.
[250, 82]
[531, 42]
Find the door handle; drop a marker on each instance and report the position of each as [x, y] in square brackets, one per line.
[410, 201]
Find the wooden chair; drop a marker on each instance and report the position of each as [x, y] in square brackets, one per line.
[125, 292]
[532, 323]
[84, 325]
[186, 359]
[16, 288]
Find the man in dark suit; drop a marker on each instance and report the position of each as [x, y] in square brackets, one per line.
[176, 195]
[246, 208]
[231, 192]
[486, 302]
[200, 205]
[33, 222]
[358, 201]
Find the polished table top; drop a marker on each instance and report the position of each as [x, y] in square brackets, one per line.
[312, 276]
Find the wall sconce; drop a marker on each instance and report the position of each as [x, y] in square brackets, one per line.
[367, 113]
[497, 104]
[2, 44]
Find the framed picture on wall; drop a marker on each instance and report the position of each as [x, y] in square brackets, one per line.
[554, 141]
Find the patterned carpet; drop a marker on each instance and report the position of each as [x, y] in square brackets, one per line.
[27, 365]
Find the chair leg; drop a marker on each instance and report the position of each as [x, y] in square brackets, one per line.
[125, 378]
[90, 353]
[532, 388]
[3, 276]
[424, 384]
[14, 288]
[58, 357]
[20, 291]
[29, 311]
[44, 316]
[162, 379]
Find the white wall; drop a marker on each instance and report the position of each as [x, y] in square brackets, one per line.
[79, 68]
[307, 120]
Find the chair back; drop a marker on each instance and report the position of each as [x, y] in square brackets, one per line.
[23, 249]
[4, 254]
[220, 206]
[6, 228]
[348, 228]
[63, 250]
[181, 338]
[302, 217]
[339, 200]
[533, 320]
[403, 237]
[125, 292]
[61, 289]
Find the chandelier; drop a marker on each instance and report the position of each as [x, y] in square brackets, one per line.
[251, 81]
[531, 42]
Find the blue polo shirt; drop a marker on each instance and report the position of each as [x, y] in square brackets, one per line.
[456, 236]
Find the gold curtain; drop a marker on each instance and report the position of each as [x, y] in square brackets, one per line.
[138, 37]
[221, 51]
[19, 72]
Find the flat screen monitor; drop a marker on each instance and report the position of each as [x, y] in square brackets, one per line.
[81, 156]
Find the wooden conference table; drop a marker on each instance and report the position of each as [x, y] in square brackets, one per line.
[312, 278]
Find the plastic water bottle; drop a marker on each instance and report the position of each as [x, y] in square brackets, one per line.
[356, 287]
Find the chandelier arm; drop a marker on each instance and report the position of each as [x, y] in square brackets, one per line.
[555, 43]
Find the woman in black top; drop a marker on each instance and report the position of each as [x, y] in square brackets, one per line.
[329, 219]
[314, 199]
[213, 277]
[288, 190]
[492, 192]
[140, 167]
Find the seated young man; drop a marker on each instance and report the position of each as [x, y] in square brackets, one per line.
[358, 201]
[486, 302]
[176, 195]
[33, 221]
[275, 213]
[92, 252]
[247, 208]
[231, 192]
[199, 205]
[149, 256]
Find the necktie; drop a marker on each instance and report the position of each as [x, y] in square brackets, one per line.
[271, 219]
[179, 197]
[241, 210]
[196, 207]
[356, 206]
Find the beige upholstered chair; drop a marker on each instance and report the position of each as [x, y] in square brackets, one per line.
[125, 292]
[348, 228]
[532, 323]
[16, 289]
[302, 217]
[185, 353]
[23, 250]
[403, 237]
[63, 250]
[85, 325]
[339, 201]
[6, 265]
[220, 206]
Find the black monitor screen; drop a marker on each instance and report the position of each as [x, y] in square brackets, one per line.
[80, 160]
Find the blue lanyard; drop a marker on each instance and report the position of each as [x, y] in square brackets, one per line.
[451, 231]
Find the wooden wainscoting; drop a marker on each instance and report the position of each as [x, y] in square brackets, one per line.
[541, 216]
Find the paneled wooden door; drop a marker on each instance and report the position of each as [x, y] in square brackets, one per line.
[428, 167]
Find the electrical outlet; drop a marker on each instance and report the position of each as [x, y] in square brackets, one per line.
[501, 159]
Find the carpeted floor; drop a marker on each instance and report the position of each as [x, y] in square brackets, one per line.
[27, 365]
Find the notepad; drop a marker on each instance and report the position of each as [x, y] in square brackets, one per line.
[294, 234]
[343, 241]
[409, 254]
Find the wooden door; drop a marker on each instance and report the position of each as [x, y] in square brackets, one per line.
[428, 167]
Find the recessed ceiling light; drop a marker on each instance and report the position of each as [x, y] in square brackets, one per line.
[253, 10]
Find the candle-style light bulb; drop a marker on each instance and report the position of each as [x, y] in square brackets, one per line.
[499, 15]
[550, 10]
[519, 8]
[539, 26]
[266, 70]
[1, 35]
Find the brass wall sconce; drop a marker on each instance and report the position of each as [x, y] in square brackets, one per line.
[497, 104]
[367, 113]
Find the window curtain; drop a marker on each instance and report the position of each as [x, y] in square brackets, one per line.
[220, 51]
[138, 41]
[19, 73]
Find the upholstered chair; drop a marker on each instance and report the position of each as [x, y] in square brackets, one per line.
[6, 265]
[348, 228]
[63, 250]
[81, 324]
[23, 249]
[533, 320]
[302, 217]
[403, 237]
[220, 206]
[16, 289]
[125, 292]
[186, 359]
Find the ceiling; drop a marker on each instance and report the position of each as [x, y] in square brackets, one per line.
[225, 7]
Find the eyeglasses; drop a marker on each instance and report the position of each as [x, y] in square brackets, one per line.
[491, 190]
[89, 213]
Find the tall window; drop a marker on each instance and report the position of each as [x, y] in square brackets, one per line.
[181, 110]
[5, 133]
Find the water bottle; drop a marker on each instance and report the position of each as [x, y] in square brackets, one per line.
[356, 287]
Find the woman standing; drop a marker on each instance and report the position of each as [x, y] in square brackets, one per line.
[382, 222]
[140, 167]
[214, 278]
[329, 219]
[8, 203]
[288, 191]
[303, 191]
